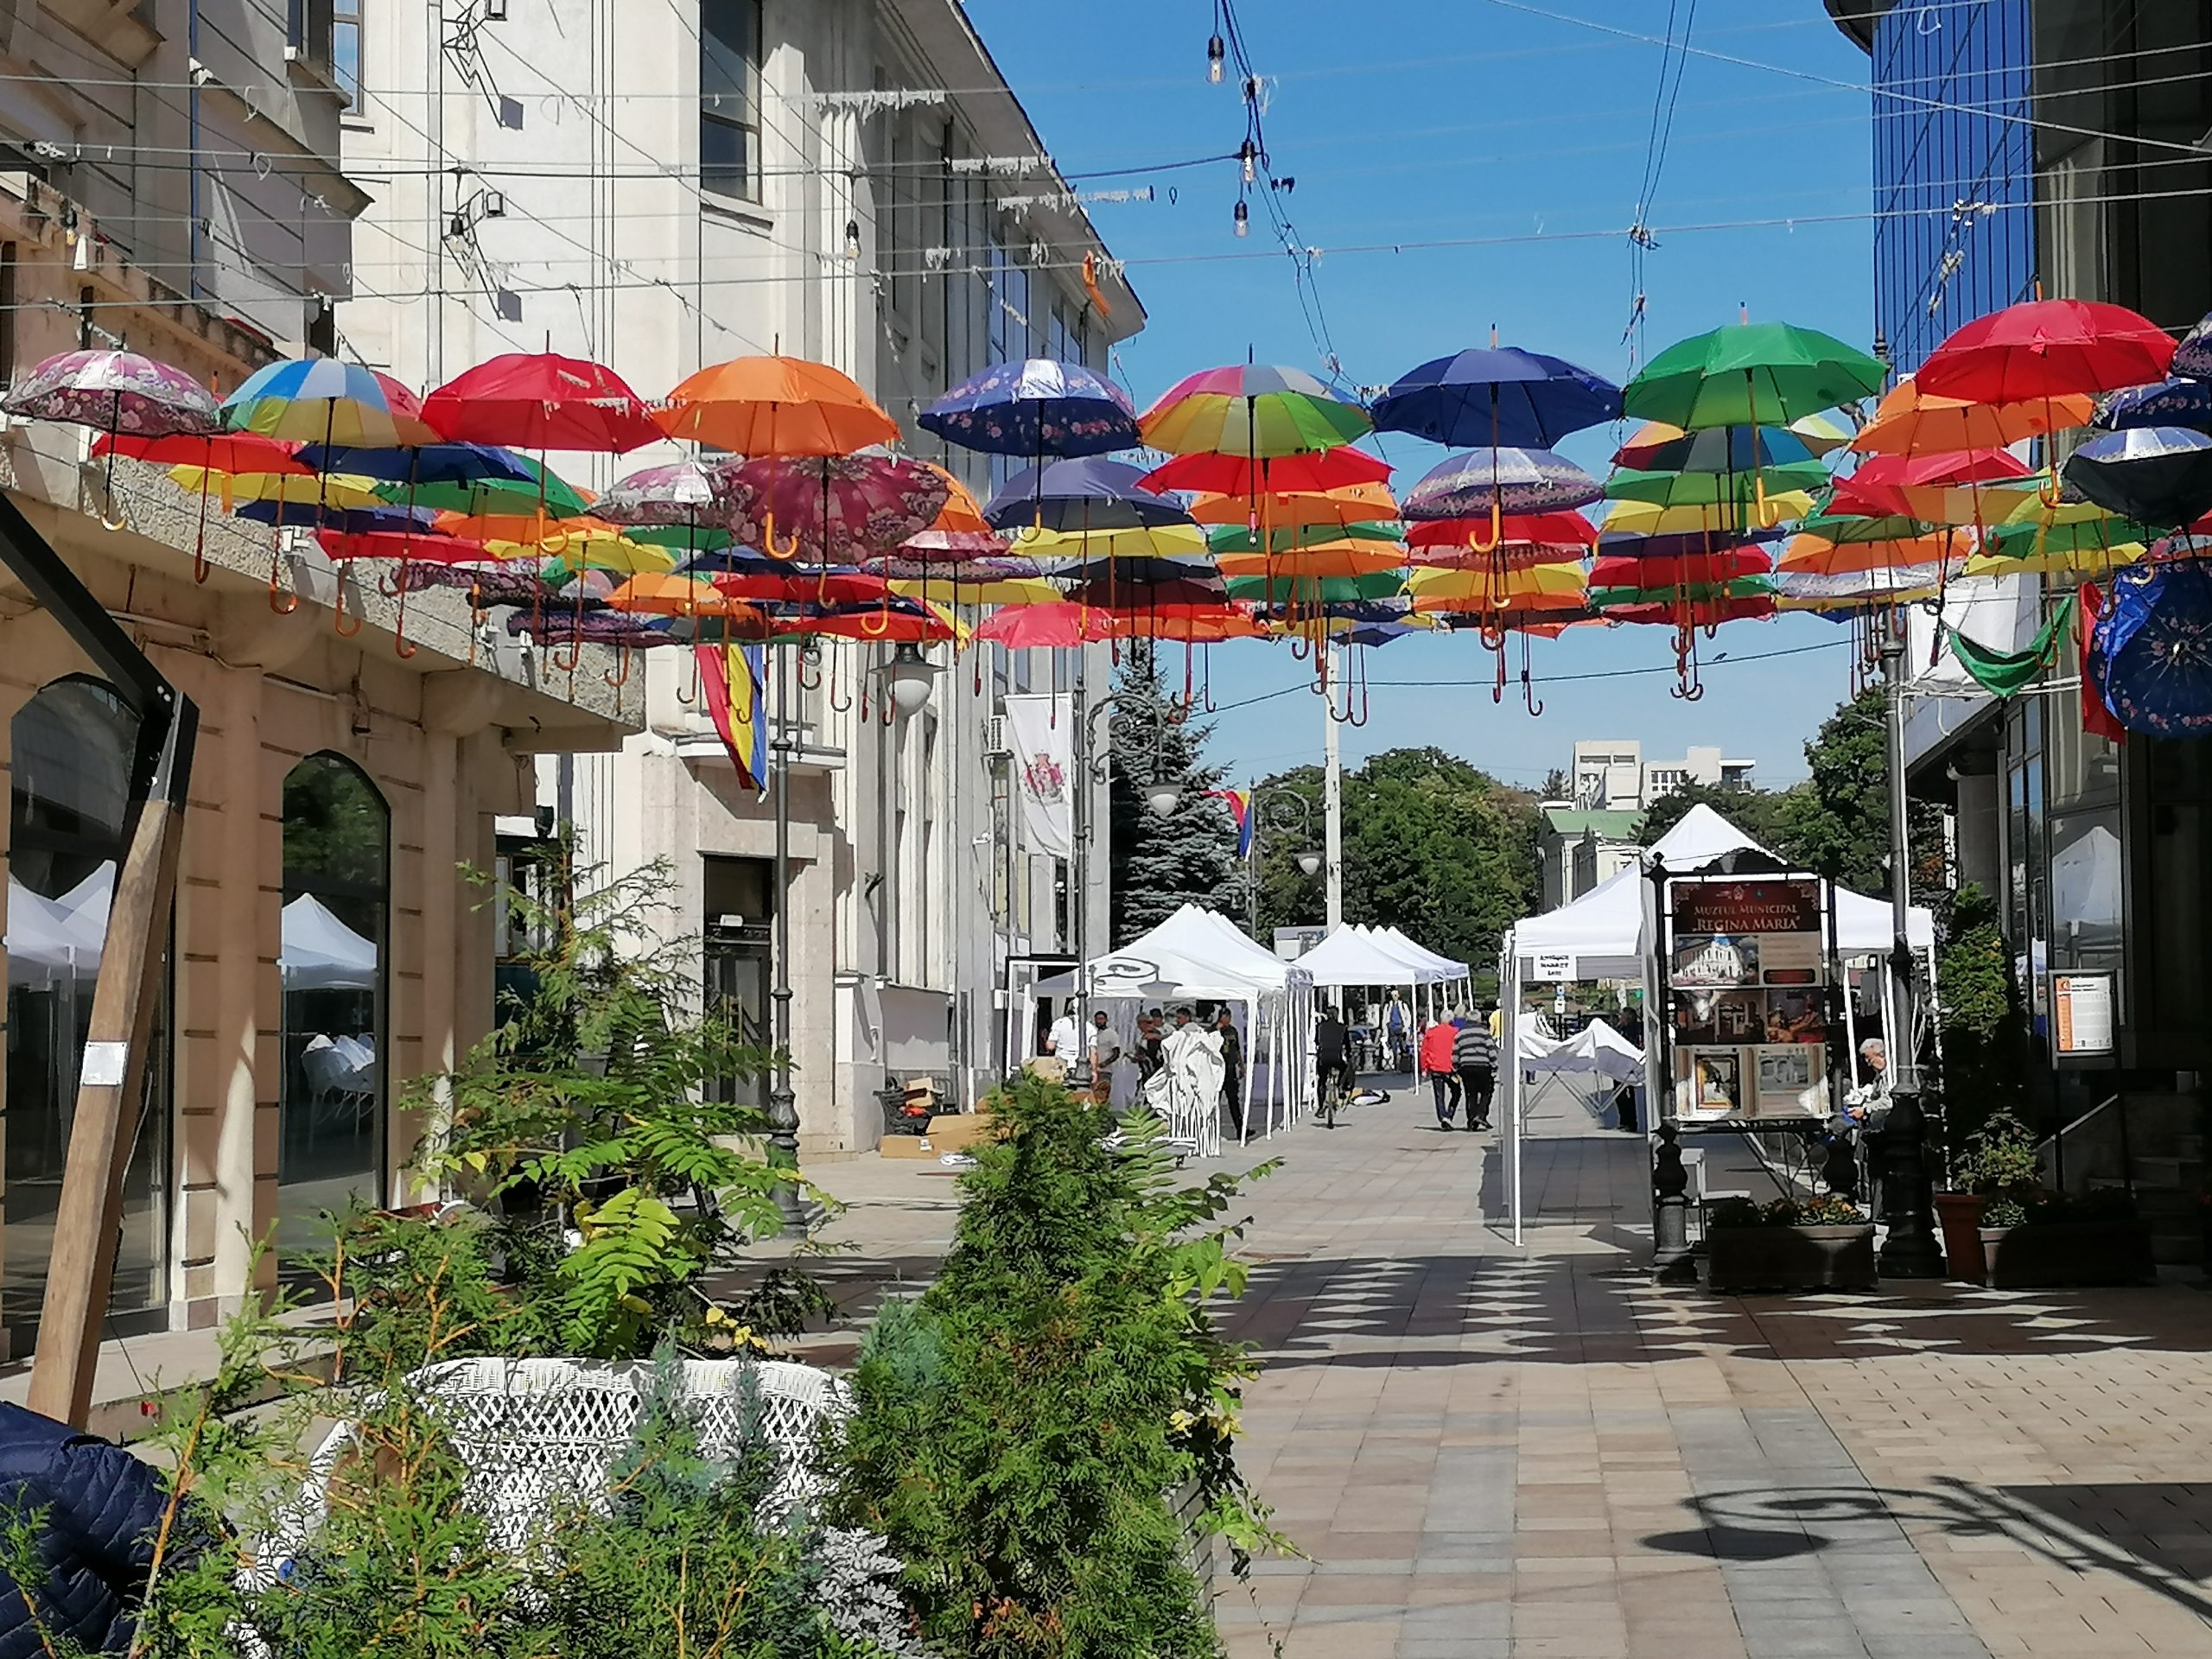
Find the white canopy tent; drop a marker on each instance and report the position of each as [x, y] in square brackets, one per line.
[48, 940]
[1199, 953]
[321, 953]
[1610, 933]
[1359, 955]
[1443, 967]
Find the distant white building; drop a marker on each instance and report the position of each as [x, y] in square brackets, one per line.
[1609, 774]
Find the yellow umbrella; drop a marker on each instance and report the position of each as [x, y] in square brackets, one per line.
[1165, 542]
[1330, 558]
[1647, 518]
[1350, 504]
[1001, 590]
[340, 490]
[1515, 590]
[1909, 422]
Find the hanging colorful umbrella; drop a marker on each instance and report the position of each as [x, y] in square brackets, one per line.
[1501, 396]
[211, 452]
[1289, 538]
[2179, 402]
[1692, 570]
[1698, 489]
[2152, 653]
[1814, 556]
[471, 478]
[839, 507]
[1910, 420]
[1050, 547]
[1247, 409]
[2159, 474]
[401, 546]
[321, 400]
[1312, 590]
[767, 406]
[1529, 587]
[981, 590]
[1658, 448]
[2077, 535]
[786, 584]
[2047, 348]
[541, 400]
[1326, 511]
[1939, 468]
[115, 393]
[1319, 558]
[1080, 497]
[1750, 374]
[674, 495]
[999, 567]
[1037, 407]
[1724, 521]
[1497, 482]
[2193, 357]
[1210, 473]
[1800, 590]
[307, 515]
[304, 489]
[489, 581]
[661, 594]
[959, 532]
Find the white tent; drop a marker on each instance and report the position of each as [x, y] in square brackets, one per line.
[1597, 1050]
[1607, 933]
[321, 953]
[47, 939]
[1359, 955]
[1443, 967]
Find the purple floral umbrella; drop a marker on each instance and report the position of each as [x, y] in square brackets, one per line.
[1038, 407]
[683, 494]
[115, 392]
[1501, 480]
[902, 567]
[840, 508]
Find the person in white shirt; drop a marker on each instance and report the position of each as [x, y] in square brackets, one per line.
[1065, 1038]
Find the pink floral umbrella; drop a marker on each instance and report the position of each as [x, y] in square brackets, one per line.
[840, 508]
[119, 393]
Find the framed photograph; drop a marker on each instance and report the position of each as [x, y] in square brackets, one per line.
[1719, 1018]
[1789, 1080]
[1713, 962]
[1711, 1082]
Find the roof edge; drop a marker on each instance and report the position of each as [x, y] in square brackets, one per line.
[1856, 18]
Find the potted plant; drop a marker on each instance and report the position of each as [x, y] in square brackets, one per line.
[1999, 1162]
[2048, 1239]
[1818, 1243]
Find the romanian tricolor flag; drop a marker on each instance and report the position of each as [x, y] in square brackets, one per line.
[735, 679]
[1239, 802]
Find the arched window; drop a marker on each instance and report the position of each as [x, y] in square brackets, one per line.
[337, 862]
[70, 751]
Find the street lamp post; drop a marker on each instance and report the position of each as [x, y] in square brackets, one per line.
[1161, 796]
[1910, 1251]
[1264, 807]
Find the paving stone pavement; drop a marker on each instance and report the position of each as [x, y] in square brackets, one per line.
[1496, 1452]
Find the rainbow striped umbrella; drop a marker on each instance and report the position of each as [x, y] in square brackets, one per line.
[1252, 409]
[321, 400]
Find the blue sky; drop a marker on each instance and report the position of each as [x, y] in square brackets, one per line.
[1474, 121]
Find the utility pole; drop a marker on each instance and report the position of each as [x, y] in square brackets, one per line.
[1333, 789]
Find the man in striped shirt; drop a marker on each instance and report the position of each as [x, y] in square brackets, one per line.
[1474, 1056]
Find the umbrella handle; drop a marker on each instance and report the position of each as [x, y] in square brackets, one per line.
[339, 613]
[575, 654]
[808, 660]
[768, 540]
[548, 548]
[618, 680]
[1497, 530]
[1528, 697]
[292, 601]
[884, 616]
[389, 581]
[688, 698]
[477, 614]
[840, 703]
[402, 647]
[111, 516]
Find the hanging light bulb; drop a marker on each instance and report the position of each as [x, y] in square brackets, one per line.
[1215, 54]
[1243, 220]
[1249, 156]
[853, 239]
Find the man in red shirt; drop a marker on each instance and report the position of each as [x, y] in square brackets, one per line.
[1443, 1076]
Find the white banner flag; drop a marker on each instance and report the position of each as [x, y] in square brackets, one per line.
[1043, 730]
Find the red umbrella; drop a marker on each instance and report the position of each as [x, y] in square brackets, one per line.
[2047, 348]
[213, 452]
[837, 507]
[1943, 468]
[805, 586]
[1215, 473]
[1562, 528]
[540, 400]
[1679, 569]
[419, 547]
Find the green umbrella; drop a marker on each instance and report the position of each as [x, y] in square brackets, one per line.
[1315, 590]
[1602, 599]
[1711, 489]
[1239, 538]
[1843, 528]
[544, 491]
[1750, 374]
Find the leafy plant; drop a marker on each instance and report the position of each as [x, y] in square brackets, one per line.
[2004, 1213]
[1983, 1017]
[1027, 1428]
[2000, 1158]
[1734, 1213]
[595, 1108]
[1828, 1209]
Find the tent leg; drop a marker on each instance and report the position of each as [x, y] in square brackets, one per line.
[1510, 1061]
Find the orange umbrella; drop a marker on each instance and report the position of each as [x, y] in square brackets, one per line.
[959, 529]
[758, 406]
[1349, 504]
[1330, 558]
[662, 594]
[1817, 557]
[1909, 421]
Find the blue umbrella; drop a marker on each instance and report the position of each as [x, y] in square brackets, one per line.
[432, 463]
[1037, 407]
[2193, 357]
[354, 521]
[1082, 494]
[2151, 654]
[1503, 395]
[2159, 474]
[2167, 403]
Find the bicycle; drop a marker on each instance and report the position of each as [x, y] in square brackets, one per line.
[1336, 1092]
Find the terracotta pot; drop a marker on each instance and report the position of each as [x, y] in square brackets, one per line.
[1961, 1215]
[1792, 1258]
[2062, 1253]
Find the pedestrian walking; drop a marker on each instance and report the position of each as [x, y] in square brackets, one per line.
[1105, 1054]
[1232, 1068]
[1395, 1019]
[1474, 1056]
[1436, 1063]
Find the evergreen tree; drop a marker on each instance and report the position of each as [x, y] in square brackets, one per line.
[1189, 856]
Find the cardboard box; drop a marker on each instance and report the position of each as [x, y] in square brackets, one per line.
[948, 1131]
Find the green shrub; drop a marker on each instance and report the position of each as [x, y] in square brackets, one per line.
[2000, 1158]
[2004, 1213]
[1027, 1426]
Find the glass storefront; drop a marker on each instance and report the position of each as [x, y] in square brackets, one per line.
[71, 752]
[337, 861]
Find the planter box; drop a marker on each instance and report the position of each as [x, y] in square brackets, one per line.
[1792, 1258]
[1961, 1215]
[2066, 1253]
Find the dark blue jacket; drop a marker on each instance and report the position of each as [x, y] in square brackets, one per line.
[103, 1508]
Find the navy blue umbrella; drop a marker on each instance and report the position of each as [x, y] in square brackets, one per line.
[2151, 654]
[429, 463]
[1037, 407]
[1082, 494]
[2193, 357]
[2159, 474]
[1501, 396]
[2167, 403]
[354, 521]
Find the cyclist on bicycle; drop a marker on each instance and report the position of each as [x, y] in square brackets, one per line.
[1332, 1071]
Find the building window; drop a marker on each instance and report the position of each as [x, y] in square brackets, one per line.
[739, 911]
[71, 749]
[345, 48]
[729, 98]
[337, 863]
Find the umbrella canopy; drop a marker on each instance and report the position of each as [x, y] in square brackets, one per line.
[940, 572]
[1940, 468]
[2047, 348]
[1727, 520]
[1288, 538]
[304, 488]
[1209, 472]
[1321, 558]
[840, 507]
[471, 478]
[942, 590]
[660, 593]
[1490, 590]
[321, 400]
[678, 494]
[1658, 448]
[959, 532]
[1324, 512]
[1281, 589]
[2074, 537]
[1501, 396]
[788, 585]
[1749, 374]
[2159, 474]
[1500, 481]
[115, 393]
[213, 452]
[1801, 590]
[1251, 409]
[2177, 402]
[1076, 497]
[541, 400]
[1703, 613]
[1815, 556]
[2152, 653]
[2193, 357]
[1911, 420]
[1183, 541]
[1626, 570]
[1711, 489]
[760, 406]
[1036, 407]
[410, 546]
[307, 515]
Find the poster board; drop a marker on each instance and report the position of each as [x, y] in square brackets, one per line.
[2082, 1014]
[1749, 974]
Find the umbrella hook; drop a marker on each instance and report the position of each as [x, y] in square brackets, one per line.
[882, 617]
[1301, 646]
[688, 698]
[1364, 709]
[619, 675]
[1497, 530]
[112, 516]
[337, 612]
[289, 603]
[1189, 653]
[809, 658]
[1497, 686]
[976, 662]
[1206, 692]
[389, 583]
[842, 702]
[1534, 704]
[199, 541]
[402, 647]
[575, 641]
[768, 540]
[477, 615]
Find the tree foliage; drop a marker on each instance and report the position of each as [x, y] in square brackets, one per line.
[1189, 856]
[1432, 844]
[1026, 1429]
[1982, 1015]
[1765, 816]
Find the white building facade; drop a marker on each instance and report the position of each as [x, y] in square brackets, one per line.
[1611, 775]
[658, 185]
